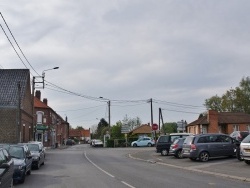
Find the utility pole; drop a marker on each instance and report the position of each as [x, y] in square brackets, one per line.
[109, 114]
[151, 101]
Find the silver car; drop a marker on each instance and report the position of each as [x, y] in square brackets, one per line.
[245, 149]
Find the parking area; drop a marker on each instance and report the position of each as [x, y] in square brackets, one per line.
[224, 167]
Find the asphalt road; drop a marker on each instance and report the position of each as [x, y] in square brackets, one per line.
[82, 166]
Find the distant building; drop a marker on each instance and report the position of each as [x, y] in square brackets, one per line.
[50, 127]
[15, 106]
[83, 135]
[220, 122]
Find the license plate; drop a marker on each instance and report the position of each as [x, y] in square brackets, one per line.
[247, 150]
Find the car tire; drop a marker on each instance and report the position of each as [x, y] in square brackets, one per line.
[204, 156]
[38, 165]
[247, 162]
[149, 145]
[134, 145]
[164, 152]
[178, 154]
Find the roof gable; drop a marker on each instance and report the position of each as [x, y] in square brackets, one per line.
[143, 129]
[9, 79]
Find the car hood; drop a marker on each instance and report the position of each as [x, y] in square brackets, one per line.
[18, 161]
[34, 153]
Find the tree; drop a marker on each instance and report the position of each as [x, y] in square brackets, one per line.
[116, 130]
[169, 128]
[131, 122]
[234, 100]
[101, 125]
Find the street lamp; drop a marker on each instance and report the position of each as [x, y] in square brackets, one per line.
[33, 93]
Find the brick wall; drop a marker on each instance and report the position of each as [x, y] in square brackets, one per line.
[213, 121]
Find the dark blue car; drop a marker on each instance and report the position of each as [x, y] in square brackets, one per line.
[22, 162]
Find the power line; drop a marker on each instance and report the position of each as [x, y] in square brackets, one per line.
[13, 46]
[17, 44]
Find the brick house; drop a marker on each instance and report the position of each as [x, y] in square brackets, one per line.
[220, 122]
[50, 127]
[15, 106]
[82, 135]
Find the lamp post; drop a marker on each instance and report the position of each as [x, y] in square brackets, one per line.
[33, 93]
[108, 101]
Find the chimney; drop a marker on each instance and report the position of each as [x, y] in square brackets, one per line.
[45, 101]
[38, 94]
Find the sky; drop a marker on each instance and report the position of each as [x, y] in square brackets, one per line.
[176, 52]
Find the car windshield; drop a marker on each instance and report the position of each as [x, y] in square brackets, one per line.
[16, 152]
[246, 140]
[33, 147]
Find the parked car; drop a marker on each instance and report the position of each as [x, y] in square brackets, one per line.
[164, 142]
[6, 168]
[37, 153]
[176, 148]
[239, 136]
[143, 141]
[70, 142]
[22, 161]
[205, 146]
[97, 143]
[245, 149]
[41, 145]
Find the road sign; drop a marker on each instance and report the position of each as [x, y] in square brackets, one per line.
[154, 127]
[125, 129]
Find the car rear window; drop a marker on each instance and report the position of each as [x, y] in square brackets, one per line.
[163, 139]
[189, 140]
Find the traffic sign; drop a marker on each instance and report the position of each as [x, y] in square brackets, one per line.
[154, 127]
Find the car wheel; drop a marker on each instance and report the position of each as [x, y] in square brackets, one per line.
[164, 152]
[247, 162]
[134, 145]
[178, 154]
[192, 159]
[149, 145]
[204, 156]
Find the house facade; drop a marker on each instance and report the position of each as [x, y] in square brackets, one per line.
[220, 122]
[50, 128]
[141, 131]
[15, 106]
[83, 135]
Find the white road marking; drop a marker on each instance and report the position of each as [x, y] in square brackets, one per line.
[104, 171]
[127, 184]
[98, 166]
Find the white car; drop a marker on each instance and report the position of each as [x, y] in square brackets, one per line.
[245, 149]
[144, 141]
[97, 143]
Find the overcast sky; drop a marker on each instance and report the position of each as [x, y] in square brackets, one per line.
[177, 52]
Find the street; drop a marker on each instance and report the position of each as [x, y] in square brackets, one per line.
[82, 166]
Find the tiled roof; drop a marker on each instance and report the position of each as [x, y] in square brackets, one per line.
[143, 129]
[9, 79]
[225, 118]
[39, 104]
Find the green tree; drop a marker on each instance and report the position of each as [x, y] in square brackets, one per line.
[116, 130]
[101, 125]
[234, 100]
[169, 128]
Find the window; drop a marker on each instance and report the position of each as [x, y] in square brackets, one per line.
[39, 115]
[2, 157]
[248, 128]
[236, 128]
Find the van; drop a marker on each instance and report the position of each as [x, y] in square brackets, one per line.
[205, 146]
[164, 142]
